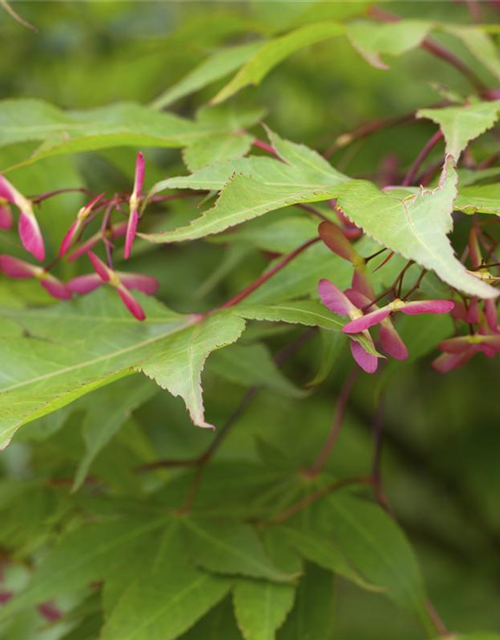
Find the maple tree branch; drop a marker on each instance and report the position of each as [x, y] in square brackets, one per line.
[415, 167]
[338, 419]
[268, 274]
[313, 497]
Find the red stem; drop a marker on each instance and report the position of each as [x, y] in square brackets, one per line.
[336, 426]
[435, 48]
[410, 176]
[268, 274]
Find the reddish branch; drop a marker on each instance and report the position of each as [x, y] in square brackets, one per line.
[338, 419]
[268, 274]
[435, 48]
[428, 147]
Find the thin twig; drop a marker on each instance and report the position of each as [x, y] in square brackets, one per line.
[13, 14]
[338, 419]
[268, 274]
[313, 497]
[430, 144]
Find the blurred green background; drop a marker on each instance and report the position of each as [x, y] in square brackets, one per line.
[442, 436]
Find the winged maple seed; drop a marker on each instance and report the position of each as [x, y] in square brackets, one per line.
[19, 269]
[29, 231]
[76, 228]
[122, 282]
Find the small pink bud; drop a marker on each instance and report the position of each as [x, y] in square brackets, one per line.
[49, 611]
[15, 268]
[85, 284]
[336, 241]
[55, 287]
[74, 231]
[472, 315]
[365, 360]
[6, 221]
[131, 231]
[101, 269]
[140, 282]
[30, 235]
[134, 205]
[131, 303]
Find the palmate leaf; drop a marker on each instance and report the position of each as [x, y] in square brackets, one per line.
[119, 124]
[85, 555]
[261, 607]
[230, 547]
[168, 596]
[312, 617]
[462, 124]
[415, 227]
[252, 365]
[213, 68]
[253, 186]
[373, 543]
[108, 409]
[98, 342]
[479, 44]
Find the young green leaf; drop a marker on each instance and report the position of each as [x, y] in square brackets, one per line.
[107, 410]
[377, 548]
[274, 52]
[261, 607]
[252, 365]
[85, 555]
[415, 226]
[462, 124]
[312, 617]
[213, 68]
[120, 124]
[230, 548]
[179, 367]
[372, 39]
[97, 343]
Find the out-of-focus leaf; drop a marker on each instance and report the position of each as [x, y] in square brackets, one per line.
[230, 548]
[274, 52]
[107, 410]
[374, 544]
[217, 66]
[460, 125]
[216, 149]
[332, 344]
[261, 607]
[86, 555]
[252, 365]
[372, 39]
[312, 617]
[166, 599]
[479, 44]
